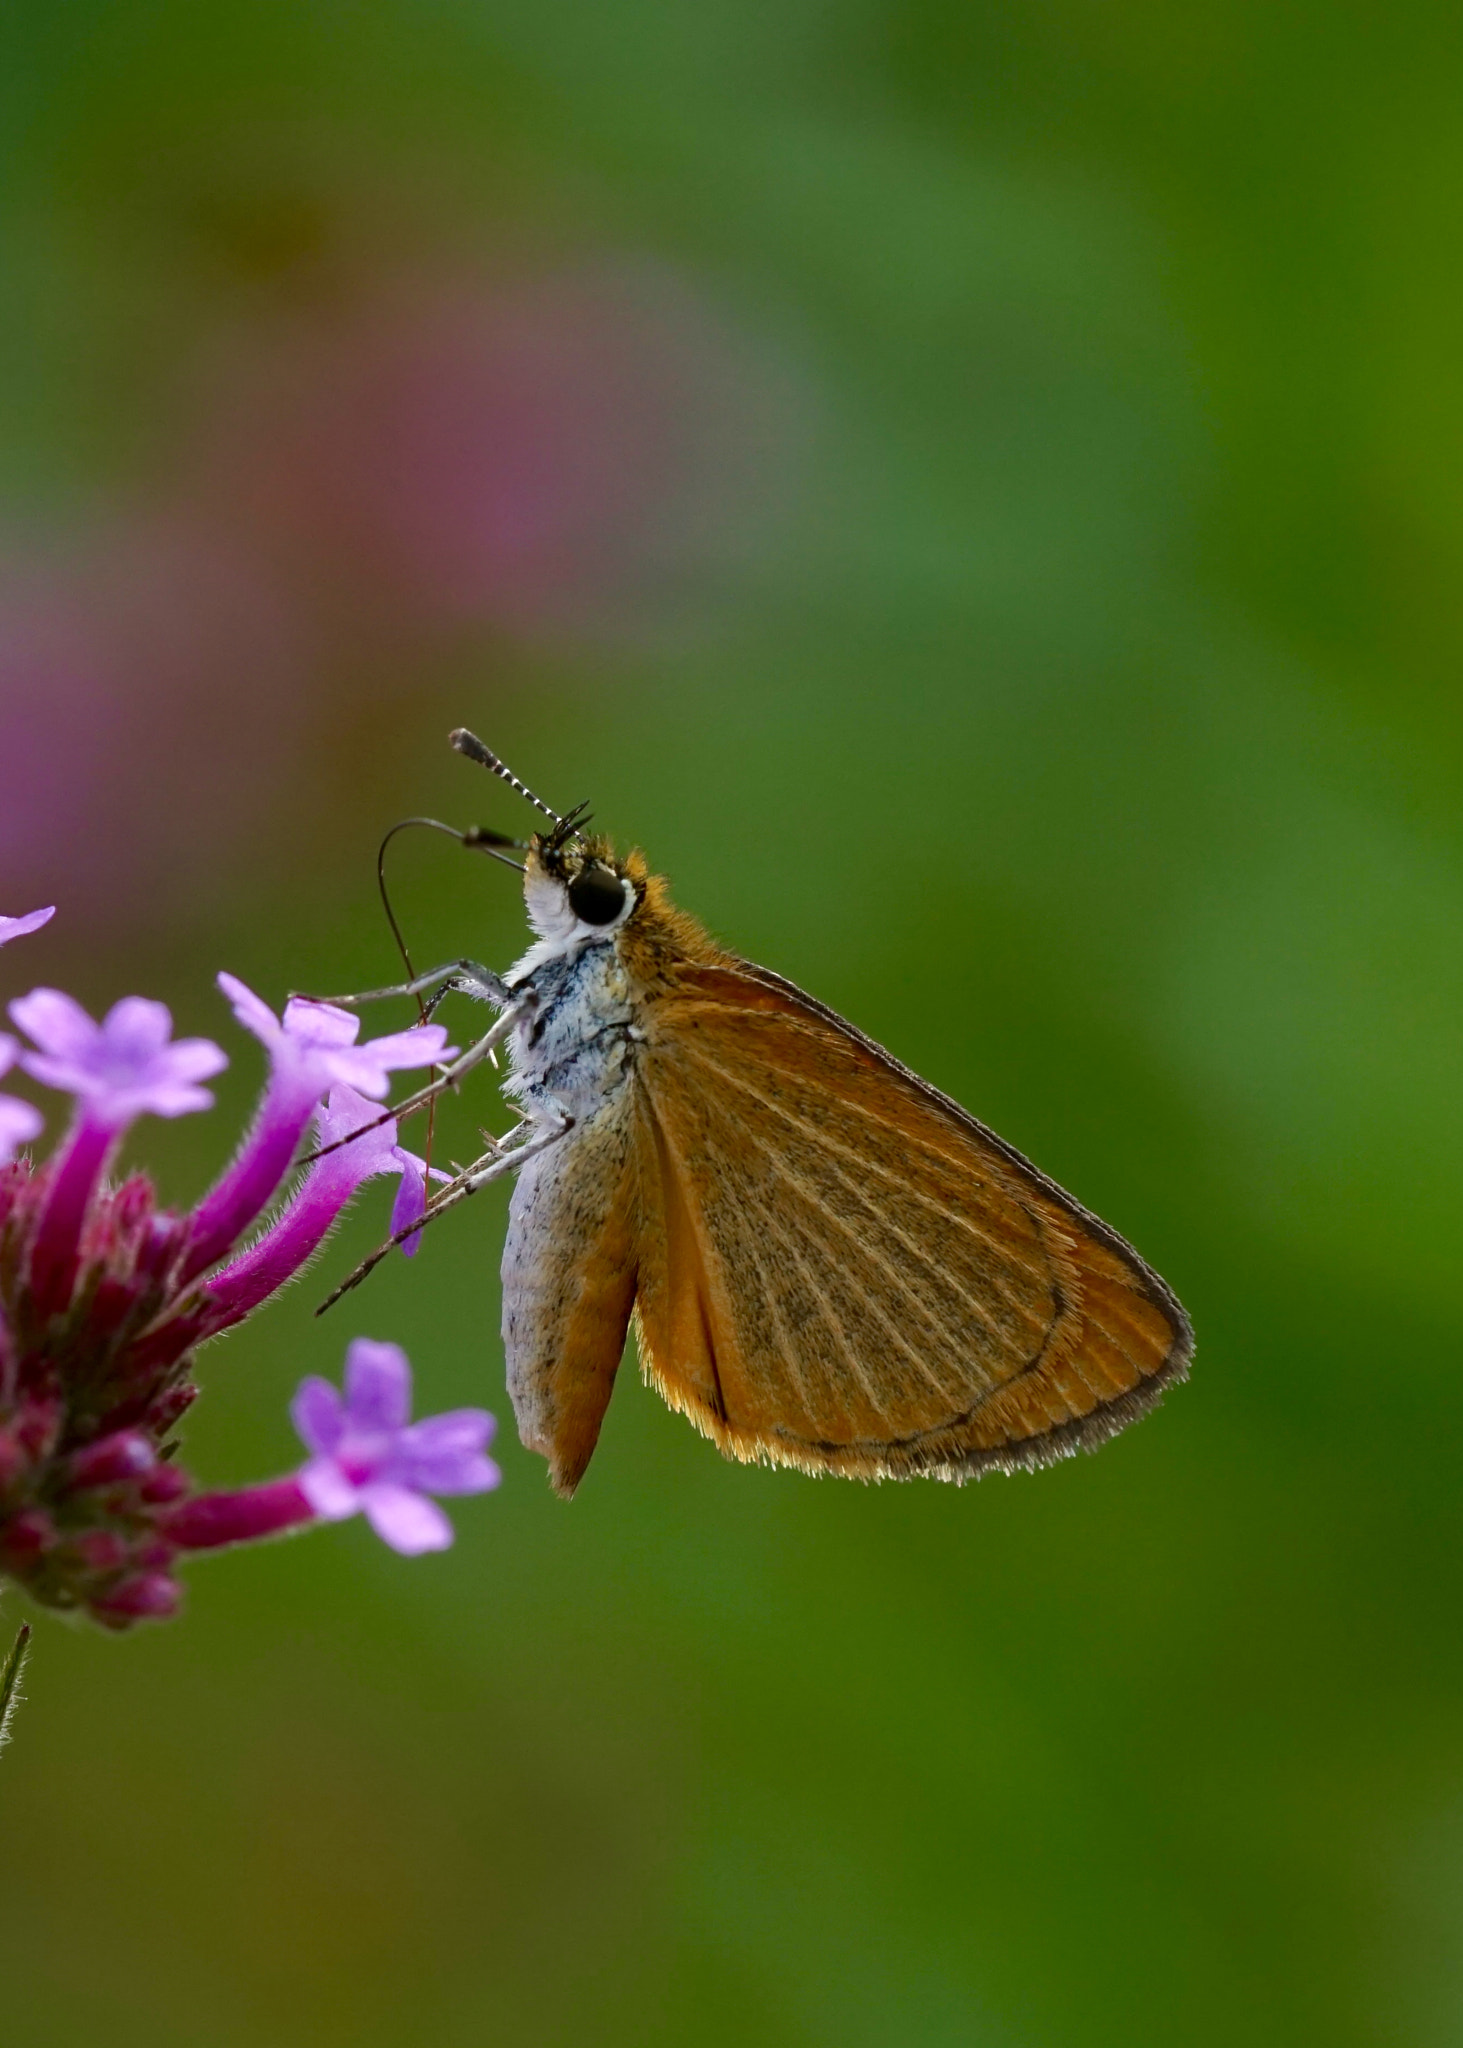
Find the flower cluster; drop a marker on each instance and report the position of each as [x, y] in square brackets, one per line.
[105, 1298]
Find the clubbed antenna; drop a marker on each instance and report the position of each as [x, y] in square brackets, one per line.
[469, 744]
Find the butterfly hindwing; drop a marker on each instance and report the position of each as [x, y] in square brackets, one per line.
[841, 1270]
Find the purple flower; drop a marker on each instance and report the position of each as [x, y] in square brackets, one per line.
[17, 927]
[121, 1067]
[117, 1069]
[315, 1043]
[368, 1458]
[311, 1051]
[105, 1297]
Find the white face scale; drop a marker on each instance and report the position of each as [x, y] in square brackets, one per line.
[561, 933]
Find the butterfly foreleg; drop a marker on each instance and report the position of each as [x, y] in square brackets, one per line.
[458, 977]
[523, 1005]
[503, 1157]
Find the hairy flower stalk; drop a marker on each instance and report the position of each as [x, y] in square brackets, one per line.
[105, 1297]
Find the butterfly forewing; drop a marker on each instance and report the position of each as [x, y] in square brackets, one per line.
[840, 1270]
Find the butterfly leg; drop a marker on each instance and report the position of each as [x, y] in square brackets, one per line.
[522, 1005]
[503, 1158]
[460, 977]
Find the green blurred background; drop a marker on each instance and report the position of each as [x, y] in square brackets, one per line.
[977, 493]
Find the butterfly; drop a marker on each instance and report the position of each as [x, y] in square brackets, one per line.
[827, 1263]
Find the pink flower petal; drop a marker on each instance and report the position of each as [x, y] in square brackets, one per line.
[422, 1046]
[252, 1011]
[328, 1490]
[17, 927]
[136, 1028]
[19, 1123]
[345, 1115]
[318, 1414]
[320, 1025]
[377, 1385]
[407, 1521]
[444, 1454]
[55, 1022]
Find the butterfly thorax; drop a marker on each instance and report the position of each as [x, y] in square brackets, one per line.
[575, 1049]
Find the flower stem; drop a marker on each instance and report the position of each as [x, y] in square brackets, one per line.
[10, 1696]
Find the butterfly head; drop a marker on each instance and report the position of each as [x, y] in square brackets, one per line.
[574, 887]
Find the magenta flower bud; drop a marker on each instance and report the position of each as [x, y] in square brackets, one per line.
[37, 1426]
[29, 1534]
[101, 1551]
[213, 1519]
[149, 1596]
[125, 1455]
[164, 1485]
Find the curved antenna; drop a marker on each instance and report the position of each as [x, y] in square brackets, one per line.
[480, 838]
[468, 744]
[400, 826]
[423, 1013]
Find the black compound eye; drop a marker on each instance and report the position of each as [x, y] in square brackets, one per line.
[596, 894]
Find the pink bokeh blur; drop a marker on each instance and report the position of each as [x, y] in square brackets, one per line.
[447, 462]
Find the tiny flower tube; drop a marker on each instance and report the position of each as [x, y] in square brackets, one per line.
[311, 1049]
[213, 1519]
[75, 1175]
[301, 1227]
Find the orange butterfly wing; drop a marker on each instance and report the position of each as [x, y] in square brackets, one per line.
[840, 1270]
